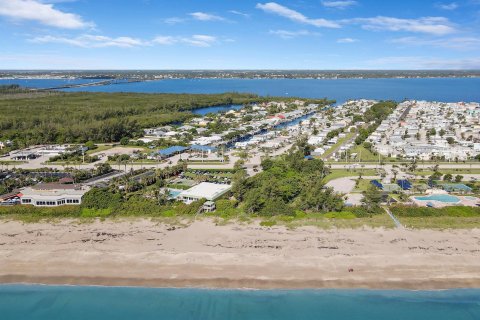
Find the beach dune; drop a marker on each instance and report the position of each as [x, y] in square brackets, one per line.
[146, 253]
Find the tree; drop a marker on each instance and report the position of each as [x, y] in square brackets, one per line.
[367, 145]
[100, 198]
[276, 206]
[442, 132]
[239, 186]
[450, 140]
[267, 163]
[458, 178]
[102, 168]
[372, 198]
[162, 195]
[315, 197]
[124, 141]
[394, 172]
[447, 177]
[90, 145]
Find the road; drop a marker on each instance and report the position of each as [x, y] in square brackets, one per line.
[254, 161]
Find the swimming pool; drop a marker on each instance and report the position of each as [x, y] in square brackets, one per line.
[174, 193]
[446, 198]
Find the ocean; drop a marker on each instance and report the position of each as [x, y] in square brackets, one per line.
[36, 302]
[434, 89]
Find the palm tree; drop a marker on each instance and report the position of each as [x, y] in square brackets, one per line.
[395, 172]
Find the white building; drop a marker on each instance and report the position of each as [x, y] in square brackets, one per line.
[53, 194]
[204, 190]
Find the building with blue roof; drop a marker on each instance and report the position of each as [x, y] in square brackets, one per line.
[455, 187]
[404, 184]
[171, 151]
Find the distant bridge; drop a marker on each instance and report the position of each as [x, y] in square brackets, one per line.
[90, 84]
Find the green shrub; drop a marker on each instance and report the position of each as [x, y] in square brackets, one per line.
[189, 209]
[451, 211]
[268, 223]
[100, 198]
[361, 212]
[138, 206]
[37, 213]
[94, 213]
[340, 215]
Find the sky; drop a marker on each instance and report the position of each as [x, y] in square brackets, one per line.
[239, 34]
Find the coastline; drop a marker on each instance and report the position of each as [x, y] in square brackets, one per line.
[244, 284]
[142, 253]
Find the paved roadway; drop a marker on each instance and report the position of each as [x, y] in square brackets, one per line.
[254, 160]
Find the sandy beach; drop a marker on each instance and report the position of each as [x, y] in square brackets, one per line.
[146, 253]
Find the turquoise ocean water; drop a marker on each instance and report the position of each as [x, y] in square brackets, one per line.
[76, 302]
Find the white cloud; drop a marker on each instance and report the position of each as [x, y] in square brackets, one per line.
[202, 16]
[164, 40]
[347, 40]
[275, 8]
[197, 40]
[285, 34]
[338, 4]
[92, 41]
[448, 6]
[429, 25]
[173, 20]
[98, 41]
[459, 43]
[57, 1]
[239, 13]
[43, 13]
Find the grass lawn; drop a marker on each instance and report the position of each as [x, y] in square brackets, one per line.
[99, 148]
[10, 162]
[341, 173]
[460, 171]
[362, 186]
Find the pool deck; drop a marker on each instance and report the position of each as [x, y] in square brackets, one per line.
[469, 201]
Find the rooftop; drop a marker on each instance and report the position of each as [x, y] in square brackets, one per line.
[207, 190]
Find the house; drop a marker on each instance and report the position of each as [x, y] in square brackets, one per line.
[318, 152]
[10, 198]
[53, 194]
[204, 190]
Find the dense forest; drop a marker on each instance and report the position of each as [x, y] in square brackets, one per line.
[101, 117]
[288, 183]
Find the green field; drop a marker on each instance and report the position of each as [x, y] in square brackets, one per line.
[341, 173]
[100, 148]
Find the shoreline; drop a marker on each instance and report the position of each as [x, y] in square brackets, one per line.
[144, 253]
[242, 284]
